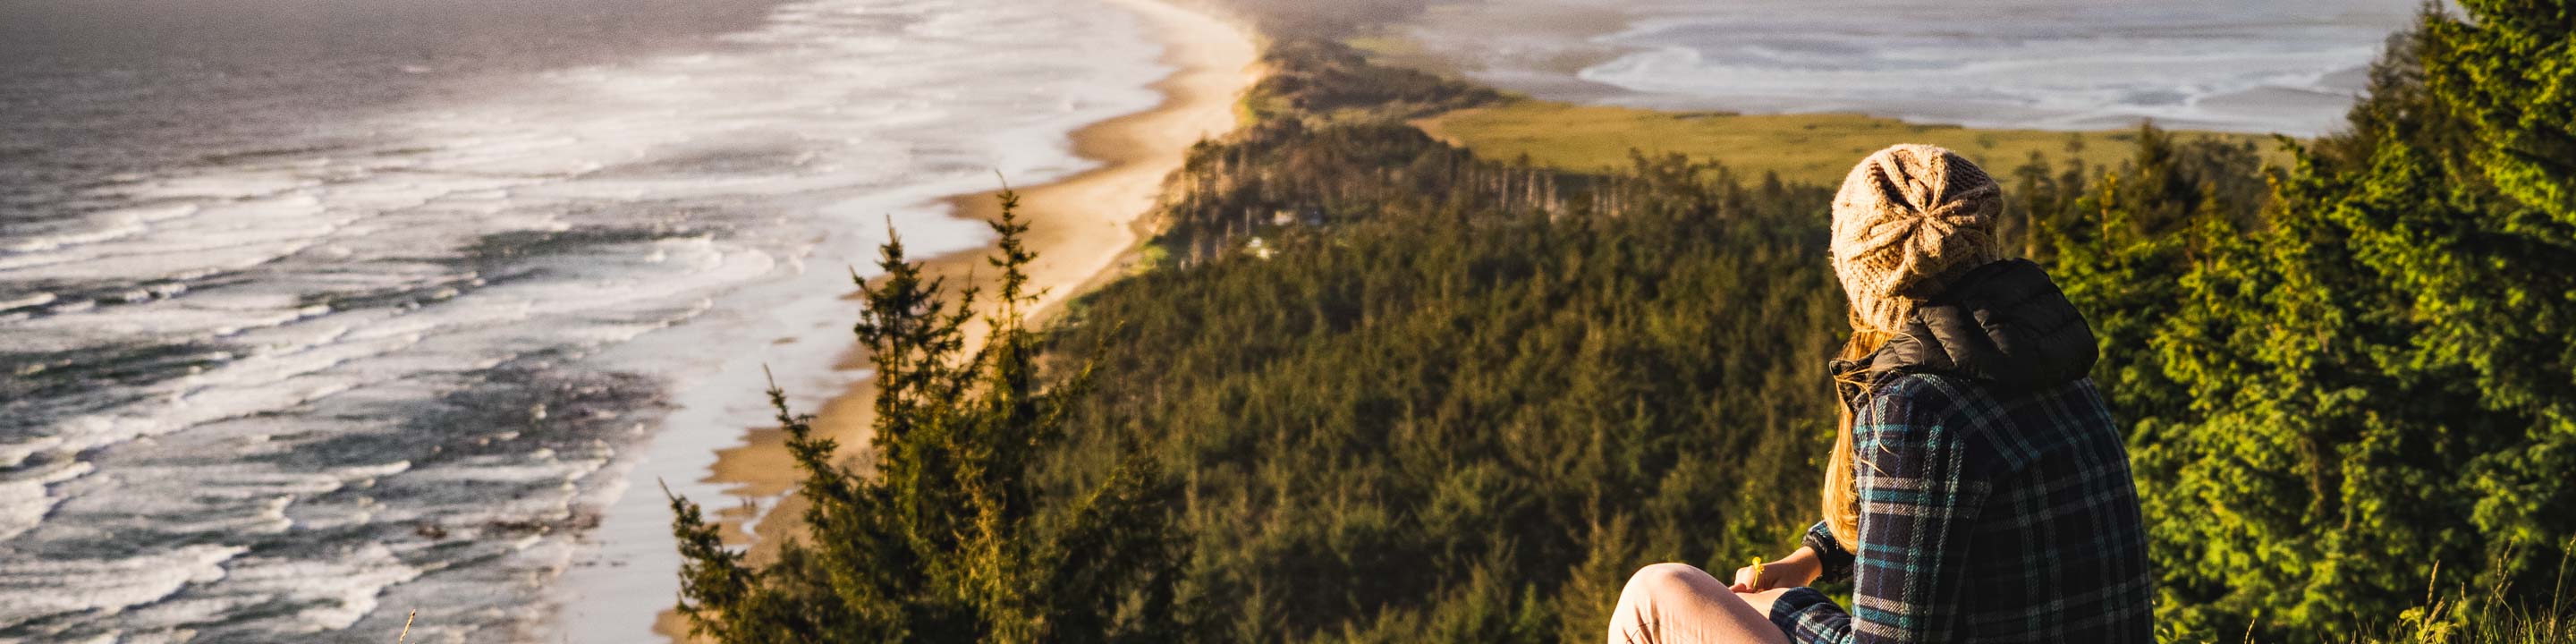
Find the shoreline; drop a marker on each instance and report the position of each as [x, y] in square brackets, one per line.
[1605, 54]
[1081, 228]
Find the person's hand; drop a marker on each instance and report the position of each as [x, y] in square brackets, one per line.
[1762, 601]
[1797, 569]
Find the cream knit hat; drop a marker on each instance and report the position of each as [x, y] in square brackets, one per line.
[1908, 220]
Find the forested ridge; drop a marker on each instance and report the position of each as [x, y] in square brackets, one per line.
[1380, 389]
[1466, 413]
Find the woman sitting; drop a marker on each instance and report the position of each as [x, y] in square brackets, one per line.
[1978, 490]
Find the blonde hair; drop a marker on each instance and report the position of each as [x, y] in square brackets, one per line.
[1842, 483]
[1908, 219]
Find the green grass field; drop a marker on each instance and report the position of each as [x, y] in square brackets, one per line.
[1816, 148]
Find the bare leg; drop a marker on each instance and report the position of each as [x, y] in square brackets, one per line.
[1670, 603]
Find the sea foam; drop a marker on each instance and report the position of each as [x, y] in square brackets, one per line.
[406, 363]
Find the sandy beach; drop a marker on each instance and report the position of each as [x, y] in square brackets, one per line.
[1080, 227]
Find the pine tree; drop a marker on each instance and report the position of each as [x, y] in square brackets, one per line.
[2380, 377]
[949, 538]
[2511, 71]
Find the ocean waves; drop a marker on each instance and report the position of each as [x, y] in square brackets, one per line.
[298, 387]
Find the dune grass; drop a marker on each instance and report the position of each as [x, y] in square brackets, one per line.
[1815, 148]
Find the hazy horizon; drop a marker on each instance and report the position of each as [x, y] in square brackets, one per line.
[2048, 64]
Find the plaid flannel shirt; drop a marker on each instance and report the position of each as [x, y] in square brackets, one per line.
[1984, 518]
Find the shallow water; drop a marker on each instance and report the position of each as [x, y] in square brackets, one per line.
[2274, 66]
[314, 316]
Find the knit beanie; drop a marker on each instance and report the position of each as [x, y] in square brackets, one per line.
[1909, 220]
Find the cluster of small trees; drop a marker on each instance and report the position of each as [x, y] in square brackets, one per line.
[943, 534]
[2342, 373]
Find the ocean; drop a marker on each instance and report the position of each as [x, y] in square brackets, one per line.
[2282, 66]
[314, 313]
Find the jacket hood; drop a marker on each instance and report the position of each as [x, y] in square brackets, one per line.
[2003, 322]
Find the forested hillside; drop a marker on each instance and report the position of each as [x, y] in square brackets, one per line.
[1381, 389]
[1475, 397]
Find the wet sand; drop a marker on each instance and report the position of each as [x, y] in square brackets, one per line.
[1081, 228]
